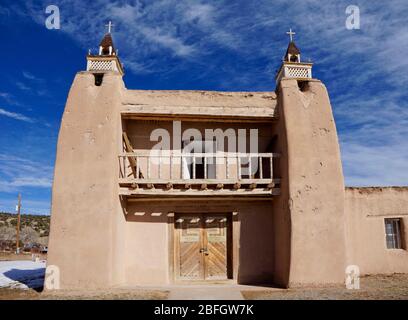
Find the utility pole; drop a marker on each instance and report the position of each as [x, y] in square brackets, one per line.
[18, 224]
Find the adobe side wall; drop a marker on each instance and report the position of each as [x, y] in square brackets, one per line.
[86, 215]
[365, 210]
[314, 192]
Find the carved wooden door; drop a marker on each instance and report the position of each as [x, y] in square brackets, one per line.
[201, 247]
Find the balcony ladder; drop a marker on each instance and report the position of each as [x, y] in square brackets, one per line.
[133, 163]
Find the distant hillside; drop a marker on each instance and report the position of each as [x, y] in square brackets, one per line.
[41, 224]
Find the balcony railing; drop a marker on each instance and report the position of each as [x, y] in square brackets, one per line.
[175, 169]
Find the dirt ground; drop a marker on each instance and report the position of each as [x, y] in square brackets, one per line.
[378, 287]
[114, 294]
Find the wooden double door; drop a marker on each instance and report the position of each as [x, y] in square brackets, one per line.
[202, 246]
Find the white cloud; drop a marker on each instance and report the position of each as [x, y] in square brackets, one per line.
[365, 70]
[16, 116]
[22, 86]
[33, 78]
[17, 172]
[29, 76]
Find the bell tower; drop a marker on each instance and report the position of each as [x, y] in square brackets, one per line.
[292, 66]
[107, 58]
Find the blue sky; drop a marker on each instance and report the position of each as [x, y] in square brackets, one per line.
[212, 45]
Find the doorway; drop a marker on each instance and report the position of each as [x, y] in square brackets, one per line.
[202, 247]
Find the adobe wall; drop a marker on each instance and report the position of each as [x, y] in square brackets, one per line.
[200, 103]
[312, 187]
[86, 224]
[365, 211]
[148, 239]
[139, 132]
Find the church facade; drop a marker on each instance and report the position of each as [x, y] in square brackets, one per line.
[159, 187]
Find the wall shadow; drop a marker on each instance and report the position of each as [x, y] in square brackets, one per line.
[33, 278]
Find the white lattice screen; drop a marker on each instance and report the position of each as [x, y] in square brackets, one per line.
[297, 72]
[101, 65]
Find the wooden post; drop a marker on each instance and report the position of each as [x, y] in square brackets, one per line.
[249, 166]
[227, 166]
[239, 167]
[171, 165]
[18, 225]
[205, 167]
[160, 158]
[137, 168]
[194, 166]
[181, 167]
[271, 166]
[148, 167]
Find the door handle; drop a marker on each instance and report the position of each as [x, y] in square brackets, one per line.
[204, 250]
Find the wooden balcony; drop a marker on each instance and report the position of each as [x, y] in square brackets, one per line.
[173, 174]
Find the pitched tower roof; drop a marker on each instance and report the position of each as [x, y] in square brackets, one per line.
[292, 49]
[107, 42]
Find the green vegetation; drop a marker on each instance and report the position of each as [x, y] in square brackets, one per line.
[41, 224]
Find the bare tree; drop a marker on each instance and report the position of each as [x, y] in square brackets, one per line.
[7, 233]
[28, 235]
[7, 237]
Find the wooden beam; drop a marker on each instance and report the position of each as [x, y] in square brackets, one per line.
[127, 114]
[197, 192]
[199, 181]
[193, 198]
[271, 185]
[132, 159]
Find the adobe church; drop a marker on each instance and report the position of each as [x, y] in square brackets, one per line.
[262, 201]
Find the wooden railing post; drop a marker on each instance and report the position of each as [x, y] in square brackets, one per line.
[171, 165]
[239, 166]
[137, 168]
[181, 166]
[249, 166]
[194, 166]
[148, 167]
[205, 167]
[124, 166]
[160, 160]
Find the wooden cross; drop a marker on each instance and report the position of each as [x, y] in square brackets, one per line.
[291, 34]
[109, 25]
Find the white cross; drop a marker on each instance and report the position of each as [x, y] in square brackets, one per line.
[291, 34]
[109, 25]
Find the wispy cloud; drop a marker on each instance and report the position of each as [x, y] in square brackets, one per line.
[16, 116]
[9, 98]
[32, 77]
[17, 172]
[22, 86]
[239, 45]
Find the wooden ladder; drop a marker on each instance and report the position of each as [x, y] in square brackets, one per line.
[132, 159]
